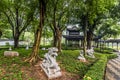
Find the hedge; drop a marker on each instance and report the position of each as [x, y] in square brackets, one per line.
[97, 71]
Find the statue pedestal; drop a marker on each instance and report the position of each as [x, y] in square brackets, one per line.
[52, 74]
[81, 59]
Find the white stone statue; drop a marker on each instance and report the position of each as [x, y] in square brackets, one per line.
[90, 52]
[43, 48]
[10, 48]
[27, 45]
[49, 64]
[81, 56]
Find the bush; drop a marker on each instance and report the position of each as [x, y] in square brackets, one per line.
[111, 56]
[97, 71]
[104, 50]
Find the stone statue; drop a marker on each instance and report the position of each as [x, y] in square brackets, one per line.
[90, 52]
[43, 48]
[27, 47]
[10, 48]
[81, 56]
[49, 64]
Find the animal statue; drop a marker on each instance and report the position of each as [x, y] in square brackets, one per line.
[90, 52]
[81, 56]
[50, 60]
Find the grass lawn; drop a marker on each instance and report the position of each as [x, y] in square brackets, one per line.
[14, 68]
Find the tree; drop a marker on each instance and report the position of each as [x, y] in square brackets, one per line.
[0, 33]
[58, 16]
[108, 28]
[46, 34]
[89, 15]
[3, 26]
[19, 14]
[33, 58]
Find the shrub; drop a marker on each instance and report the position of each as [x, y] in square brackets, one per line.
[104, 50]
[97, 71]
[111, 56]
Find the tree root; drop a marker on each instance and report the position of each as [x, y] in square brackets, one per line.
[33, 59]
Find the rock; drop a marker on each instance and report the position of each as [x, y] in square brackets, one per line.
[11, 53]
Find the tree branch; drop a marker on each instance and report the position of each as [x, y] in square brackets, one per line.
[10, 21]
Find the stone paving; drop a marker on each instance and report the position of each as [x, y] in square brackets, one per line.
[113, 69]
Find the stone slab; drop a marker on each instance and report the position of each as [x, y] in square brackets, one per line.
[11, 53]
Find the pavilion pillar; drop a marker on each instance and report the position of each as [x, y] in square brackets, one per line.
[112, 44]
[65, 42]
[100, 45]
[97, 44]
[104, 44]
[78, 43]
[94, 44]
[117, 45]
[108, 44]
[81, 43]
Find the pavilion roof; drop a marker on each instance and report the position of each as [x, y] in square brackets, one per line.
[74, 28]
[113, 40]
[73, 37]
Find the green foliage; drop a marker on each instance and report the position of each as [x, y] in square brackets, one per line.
[7, 44]
[111, 56]
[96, 72]
[68, 60]
[104, 50]
[108, 28]
[7, 34]
[18, 14]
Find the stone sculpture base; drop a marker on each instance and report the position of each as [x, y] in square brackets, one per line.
[53, 74]
[82, 59]
[91, 55]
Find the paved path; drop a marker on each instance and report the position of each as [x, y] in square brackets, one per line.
[113, 69]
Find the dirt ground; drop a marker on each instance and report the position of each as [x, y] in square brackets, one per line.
[37, 73]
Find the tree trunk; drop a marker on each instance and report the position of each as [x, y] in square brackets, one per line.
[89, 39]
[85, 41]
[85, 24]
[59, 38]
[16, 41]
[54, 39]
[35, 50]
[0, 33]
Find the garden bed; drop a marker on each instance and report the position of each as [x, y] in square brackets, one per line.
[14, 68]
